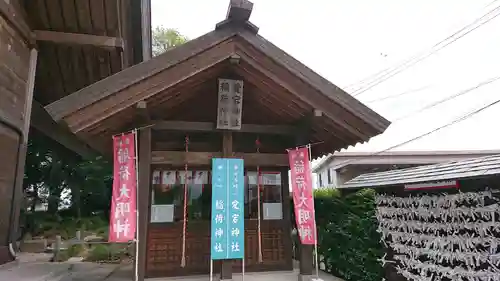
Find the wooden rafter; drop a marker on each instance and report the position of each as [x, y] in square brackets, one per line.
[179, 158]
[44, 123]
[211, 127]
[78, 39]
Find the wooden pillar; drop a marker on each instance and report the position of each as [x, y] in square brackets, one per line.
[285, 191]
[305, 251]
[146, 29]
[226, 270]
[144, 198]
[21, 161]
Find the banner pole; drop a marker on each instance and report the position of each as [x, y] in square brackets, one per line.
[243, 269]
[315, 226]
[211, 269]
[136, 207]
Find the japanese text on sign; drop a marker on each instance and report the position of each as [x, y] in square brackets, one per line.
[302, 195]
[230, 104]
[227, 239]
[123, 201]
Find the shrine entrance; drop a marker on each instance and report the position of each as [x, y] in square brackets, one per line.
[164, 256]
[227, 94]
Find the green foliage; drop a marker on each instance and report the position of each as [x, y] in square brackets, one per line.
[76, 250]
[107, 253]
[165, 39]
[62, 256]
[51, 225]
[348, 239]
[72, 187]
[99, 253]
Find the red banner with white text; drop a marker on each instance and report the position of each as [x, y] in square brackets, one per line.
[123, 202]
[303, 195]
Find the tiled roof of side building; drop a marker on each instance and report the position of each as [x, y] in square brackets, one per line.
[471, 168]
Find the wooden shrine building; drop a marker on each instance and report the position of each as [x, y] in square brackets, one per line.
[49, 49]
[175, 102]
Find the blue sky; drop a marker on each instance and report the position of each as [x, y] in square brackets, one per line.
[348, 40]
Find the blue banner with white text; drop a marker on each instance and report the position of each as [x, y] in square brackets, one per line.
[228, 224]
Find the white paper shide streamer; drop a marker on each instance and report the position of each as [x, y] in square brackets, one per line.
[452, 237]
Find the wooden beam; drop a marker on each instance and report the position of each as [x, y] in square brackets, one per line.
[146, 30]
[23, 150]
[306, 251]
[179, 158]
[78, 39]
[286, 209]
[211, 127]
[180, 146]
[144, 198]
[9, 13]
[143, 112]
[263, 159]
[43, 122]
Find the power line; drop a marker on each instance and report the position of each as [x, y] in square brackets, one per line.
[421, 56]
[399, 95]
[410, 62]
[362, 81]
[458, 120]
[461, 93]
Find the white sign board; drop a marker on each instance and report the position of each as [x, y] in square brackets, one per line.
[162, 213]
[272, 211]
[230, 104]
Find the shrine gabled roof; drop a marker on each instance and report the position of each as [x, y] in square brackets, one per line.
[353, 121]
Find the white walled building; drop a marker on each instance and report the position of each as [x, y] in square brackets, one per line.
[335, 169]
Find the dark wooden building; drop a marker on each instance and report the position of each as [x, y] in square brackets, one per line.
[49, 49]
[173, 100]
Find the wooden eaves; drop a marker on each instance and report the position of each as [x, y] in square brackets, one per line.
[343, 118]
[79, 43]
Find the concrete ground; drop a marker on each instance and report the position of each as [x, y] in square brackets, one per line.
[125, 274]
[36, 267]
[33, 267]
[266, 276]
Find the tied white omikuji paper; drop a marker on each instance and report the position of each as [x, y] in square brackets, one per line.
[445, 229]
